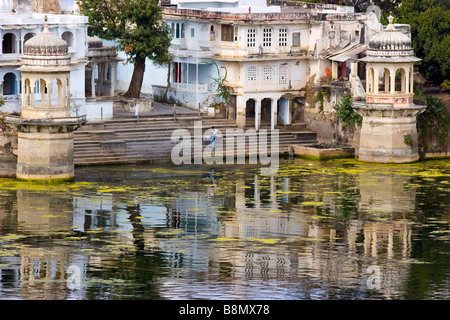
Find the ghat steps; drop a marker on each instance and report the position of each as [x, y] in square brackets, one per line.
[124, 140]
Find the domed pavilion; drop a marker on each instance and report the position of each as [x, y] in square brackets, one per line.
[388, 132]
[45, 127]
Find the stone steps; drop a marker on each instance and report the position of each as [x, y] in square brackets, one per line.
[123, 140]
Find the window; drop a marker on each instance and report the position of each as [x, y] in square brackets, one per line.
[68, 37]
[251, 74]
[178, 30]
[182, 30]
[9, 43]
[283, 75]
[282, 37]
[267, 73]
[227, 32]
[296, 39]
[212, 33]
[192, 32]
[267, 37]
[251, 38]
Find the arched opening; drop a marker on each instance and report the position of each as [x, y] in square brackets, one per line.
[28, 36]
[370, 80]
[67, 36]
[10, 84]
[385, 83]
[266, 112]
[250, 109]
[283, 111]
[9, 43]
[40, 92]
[60, 86]
[26, 92]
[400, 80]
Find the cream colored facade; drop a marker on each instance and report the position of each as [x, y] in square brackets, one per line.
[269, 54]
[45, 128]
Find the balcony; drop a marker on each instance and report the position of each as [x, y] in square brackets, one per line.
[189, 87]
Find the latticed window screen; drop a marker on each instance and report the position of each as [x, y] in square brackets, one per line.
[251, 38]
[251, 74]
[283, 75]
[267, 73]
[267, 37]
[282, 37]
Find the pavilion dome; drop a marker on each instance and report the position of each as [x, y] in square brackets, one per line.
[390, 45]
[45, 52]
[94, 42]
[46, 43]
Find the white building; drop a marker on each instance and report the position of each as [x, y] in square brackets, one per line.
[269, 53]
[20, 20]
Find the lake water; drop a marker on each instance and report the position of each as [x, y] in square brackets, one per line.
[337, 229]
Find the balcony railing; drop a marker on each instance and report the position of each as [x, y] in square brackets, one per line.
[189, 87]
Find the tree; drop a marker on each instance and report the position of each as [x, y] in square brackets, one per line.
[430, 34]
[138, 29]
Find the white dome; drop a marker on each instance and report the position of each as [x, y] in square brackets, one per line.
[45, 43]
[390, 45]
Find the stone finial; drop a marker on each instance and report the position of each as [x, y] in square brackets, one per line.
[390, 26]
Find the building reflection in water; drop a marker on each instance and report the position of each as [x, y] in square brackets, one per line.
[286, 242]
[239, 232]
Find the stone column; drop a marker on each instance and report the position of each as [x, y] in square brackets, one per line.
[32, 86]
[240, 112]
[411, 79]
[392, 81]
[42, 88]
[257, 114]
[93, 80]
[113, 78]
[334, 70]
[101, 71]
[68, 91]
[273, 114]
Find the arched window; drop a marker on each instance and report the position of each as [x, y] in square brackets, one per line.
[9, 84]
[251, 74]
[28, 36]
[9, 43]
[267, 73]
[283, 75]
[67, 36]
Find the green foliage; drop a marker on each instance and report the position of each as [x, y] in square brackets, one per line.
[221, 84]
[320, 98]
[445, 86]
[433, 122]
[407, 139]
[430, 34]
[345, 112]
[136, 25]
